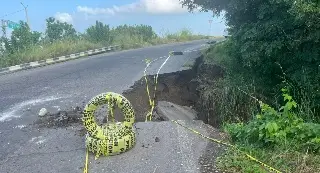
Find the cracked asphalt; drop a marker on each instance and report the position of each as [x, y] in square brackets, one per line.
[24, 148]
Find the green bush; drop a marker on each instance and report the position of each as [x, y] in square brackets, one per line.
[269, 33]
[99, 33]
[145, 32]
[287, 161]
[127, 41]
[60, 38]
[278, 128]
[223, 102]
[183, 35]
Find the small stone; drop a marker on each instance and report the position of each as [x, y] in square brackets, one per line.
[63, 113]
[157, 139]
[43, 112]
[77, 108]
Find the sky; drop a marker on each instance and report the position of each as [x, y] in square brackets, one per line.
[163, 15]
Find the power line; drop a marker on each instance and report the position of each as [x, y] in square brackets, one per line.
[3, 21]
[12, 13]
[217, 22]
[210, 22]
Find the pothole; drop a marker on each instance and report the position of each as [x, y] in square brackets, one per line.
[178, 87]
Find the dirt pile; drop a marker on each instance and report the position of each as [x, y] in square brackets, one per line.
[207, 74]
[60, 119]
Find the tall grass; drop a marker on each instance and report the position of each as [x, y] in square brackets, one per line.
[49, 50]
[222, 98]
[183, 35]
[225, 100]
[230, 102]
[127, 41]
[67, 46]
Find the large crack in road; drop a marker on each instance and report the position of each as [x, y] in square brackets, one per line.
[59, 135]
[177, 87]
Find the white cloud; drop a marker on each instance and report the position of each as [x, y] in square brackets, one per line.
[64, 17]
[95, 11]
[148, 6]
[163, 6]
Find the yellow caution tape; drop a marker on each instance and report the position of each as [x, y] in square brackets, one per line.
[229, 145]
[113, 138]
[152, 101]
[152, 104]
[116, 138]
[85, 170]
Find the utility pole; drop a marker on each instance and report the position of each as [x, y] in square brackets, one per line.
[27, 17]
[3, 28]
[210, 22]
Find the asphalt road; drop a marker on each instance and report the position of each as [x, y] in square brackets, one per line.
[73, 83]
[81, 79]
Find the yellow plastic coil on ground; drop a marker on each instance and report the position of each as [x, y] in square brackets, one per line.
[113, 138]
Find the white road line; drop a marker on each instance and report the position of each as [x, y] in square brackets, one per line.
[12, 112]
[19, 126]
[34, 64]
[90, 52]
[38, 140]
[72, 56]
[16, 67]
[48, 61]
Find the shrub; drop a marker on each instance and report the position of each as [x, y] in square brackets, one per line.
[265, 33]
[278, 128]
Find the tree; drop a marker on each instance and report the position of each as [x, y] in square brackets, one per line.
[216, 6]
[4, 41]
[144, 31]
[269, 33]
[99, 32]
[57, 30]
[21, 39]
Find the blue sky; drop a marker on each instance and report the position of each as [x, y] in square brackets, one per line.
[162, 15]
